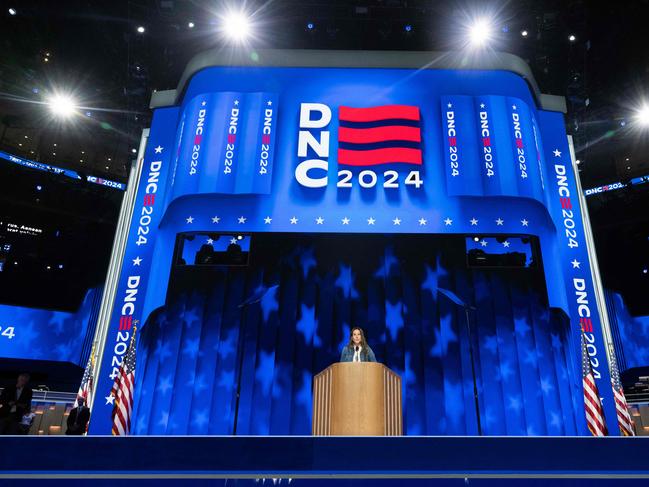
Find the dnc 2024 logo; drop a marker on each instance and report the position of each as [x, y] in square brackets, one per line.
[367, 137]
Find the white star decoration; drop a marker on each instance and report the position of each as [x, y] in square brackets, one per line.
[513, 107]
[158, 149]
[110, 399]
[236, 102]
[269, 103]
[506, 243]
[203, 103]
[233, 240]
[210, 241]
[575, 264]
[319, 220]
[557, 153]
[450, 105]
[481, 105]
[483, 242]
[137, 261]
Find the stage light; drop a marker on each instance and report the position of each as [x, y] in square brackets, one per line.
[140, 29]
[480, 33]
[107, 168]
[408, 28]
[191, 25]
[239, 237]
[26, 137]
[62, 105]
[236, 26]
[60, 266]
[39, 187]
[642, 116]
[12, 11]
[577, 161]
[134, 151]
[476, 239]
[644, 271]
[49, 267]
[524, 33]
[310, 26]
[572, 38]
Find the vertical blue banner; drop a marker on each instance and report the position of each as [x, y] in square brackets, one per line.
[264, 136]
[525, 163]
[191, 153]
[584, 316]
[463, 175]
[487, 148]
[136, 266]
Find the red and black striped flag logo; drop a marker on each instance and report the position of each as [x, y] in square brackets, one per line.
[379, 135]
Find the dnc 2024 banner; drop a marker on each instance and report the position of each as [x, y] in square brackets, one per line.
[331, 150]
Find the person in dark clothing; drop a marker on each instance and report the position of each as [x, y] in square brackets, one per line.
[78, 418]
[15, 401]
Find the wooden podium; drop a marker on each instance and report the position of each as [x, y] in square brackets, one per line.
[357, 399]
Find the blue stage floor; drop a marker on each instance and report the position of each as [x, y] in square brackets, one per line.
[300, 458]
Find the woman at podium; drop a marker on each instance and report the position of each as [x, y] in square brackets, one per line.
[357, 350]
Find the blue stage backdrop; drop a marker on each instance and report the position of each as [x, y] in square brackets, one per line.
[629, 333]
[40, 334]
[406, 152]
[266, 329]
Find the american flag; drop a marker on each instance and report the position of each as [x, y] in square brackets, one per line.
[86, 387]
[123, 391]
[592, 402]
[621, 408]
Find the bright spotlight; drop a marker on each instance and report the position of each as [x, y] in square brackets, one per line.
[524, 33]
[191, 25]
[62, 106]
[408, 28]
[236, 26]
[480, 33]
[140, 29]
[572, 38]
[310, 26]
[12, 11]
[643, 116]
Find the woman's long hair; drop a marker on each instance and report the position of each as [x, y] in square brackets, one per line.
[363, 341]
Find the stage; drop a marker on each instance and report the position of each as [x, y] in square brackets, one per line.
[303, 457]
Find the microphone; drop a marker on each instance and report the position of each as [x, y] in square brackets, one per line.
[356, 348]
